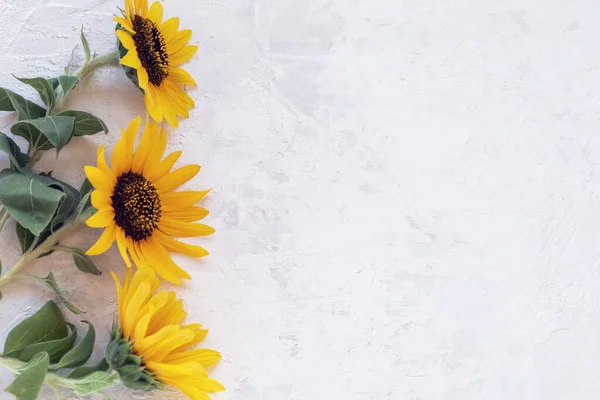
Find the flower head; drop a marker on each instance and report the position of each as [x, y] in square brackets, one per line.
[155, 51]
[150, 348]
[138, 206]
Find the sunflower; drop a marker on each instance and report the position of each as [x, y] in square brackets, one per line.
[138, 206]
[149, 347]
[155, 51]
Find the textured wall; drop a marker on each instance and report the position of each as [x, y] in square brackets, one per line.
[405, 191]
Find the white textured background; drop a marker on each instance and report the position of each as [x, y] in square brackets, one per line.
[405, 191]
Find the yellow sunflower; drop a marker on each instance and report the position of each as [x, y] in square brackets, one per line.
[138, 206]
[156, 50]
[149, 347]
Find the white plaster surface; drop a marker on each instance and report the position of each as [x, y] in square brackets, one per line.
[405, 191]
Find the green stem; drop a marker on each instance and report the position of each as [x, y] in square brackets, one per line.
[52, 379]
[87, 68]
[33, 253]
[3, 219]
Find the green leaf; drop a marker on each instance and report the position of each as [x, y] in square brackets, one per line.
[29, 201]
[11, 101]
[55, 348]
[85, 123]
[79, 354]
[66, 83]
[86, 47]
[25, 236]
[45, 325]
[29, 382]
[12, 150]
[43, 87]
[37, 140]
[83, 262]
[95, 382]
[68, 205]
[57, 129]
[83, 371]
[86, 187]
[50, 281]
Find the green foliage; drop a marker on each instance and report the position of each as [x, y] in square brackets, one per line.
[79, 354]
[84, 371]
[17, 158]
[31, 202]
[86, 47]
[11, 101]
[131, 370]
[46, 325]
[85, 123]
[29, 381]
[57, 130]
[44, 89]
[95, 382]
[83, 262]
[43, 346]
[50, 281]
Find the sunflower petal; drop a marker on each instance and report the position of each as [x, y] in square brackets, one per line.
[103, 218]
[101, 163]
[175, 201]
[182, 55]
[162, 262]
[155, 155]
[99, 179]
[177, 228]
[121, 243]
[104, 242]
[132, 60]
[189, 214]
[126, 40]
[177, 41]
[174, 179]
[155, 14]
[176, 246]
[144, 147]
[169, 27]
[204, 357]
[181, 76]
[163, 167]
[100, 199]
[125, 23]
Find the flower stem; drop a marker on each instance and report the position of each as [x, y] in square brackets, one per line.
[105, 60]
[4, 217]
[53, 379]
[34, 252]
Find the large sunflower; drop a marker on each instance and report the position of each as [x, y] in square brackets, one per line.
[156, 49]
[138, 206]
[159, 347]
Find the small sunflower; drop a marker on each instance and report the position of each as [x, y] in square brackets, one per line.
[155, 51]
[149, 347]
[138, 206]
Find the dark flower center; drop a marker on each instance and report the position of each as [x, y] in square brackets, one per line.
[152, 49]
[137, 205]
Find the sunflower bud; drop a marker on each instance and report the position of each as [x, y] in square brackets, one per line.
[131, 370]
